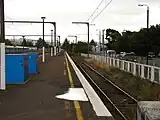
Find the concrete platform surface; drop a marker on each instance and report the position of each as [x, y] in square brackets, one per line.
[36, 99]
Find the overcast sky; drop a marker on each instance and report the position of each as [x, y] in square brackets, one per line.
[120, 15]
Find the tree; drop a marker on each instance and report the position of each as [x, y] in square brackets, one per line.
[24, 42]
[154, 36]
[39, 43]
[139, 43]
[47, 45]
[111, 37]
[29, 44]
[93, 43]
[66, 45]
[8, 42]
[82, 47]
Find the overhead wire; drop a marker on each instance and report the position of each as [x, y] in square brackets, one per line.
[102, 10]
[95, 10]
[9, 18]
[15, 28]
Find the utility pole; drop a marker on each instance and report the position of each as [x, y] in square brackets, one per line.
[51, 42]
[87, 23]
[99, 40]
[103, 41]
[59, 43]
[2, 30]
[88, 38]
[55, 48]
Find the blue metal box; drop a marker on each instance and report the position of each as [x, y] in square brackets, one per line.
[16, 68]
[32, 63]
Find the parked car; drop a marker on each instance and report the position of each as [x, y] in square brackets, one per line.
[122, 54]
[158, 55]
[111, 53]
[118, 56]
[151, 55]
[130, 57]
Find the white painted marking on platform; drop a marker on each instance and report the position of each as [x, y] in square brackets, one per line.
[77, 94]
[96, 102]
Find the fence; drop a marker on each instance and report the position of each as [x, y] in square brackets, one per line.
[149, 72]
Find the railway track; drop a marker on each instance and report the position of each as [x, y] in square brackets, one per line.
[121, 105]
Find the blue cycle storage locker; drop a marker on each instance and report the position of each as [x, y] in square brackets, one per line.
[32, 63]
[16, 68]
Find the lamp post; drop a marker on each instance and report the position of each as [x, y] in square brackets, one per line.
[51, 42]
[88, 28]
[55, 45]
[147, 13]
[43, 56]
[59, 37]
[87, 23]
[147, 26]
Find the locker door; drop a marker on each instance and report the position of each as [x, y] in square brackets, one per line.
[32, 63]
[35, 62]
[26, 75]
[14, 68]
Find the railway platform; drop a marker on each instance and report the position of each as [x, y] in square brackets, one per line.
[37, 99]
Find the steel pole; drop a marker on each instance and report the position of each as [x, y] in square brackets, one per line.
[147, 31]
[88, 38]
[2, 47]
[103, 41]
[147, 17]
[43, 49]
[43, 58]
[58, 44]
[2, 28]
[43, 32]
[55, 51]
[76, 39]
[51, 42]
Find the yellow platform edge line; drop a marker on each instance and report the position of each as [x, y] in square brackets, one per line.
[76, 103]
